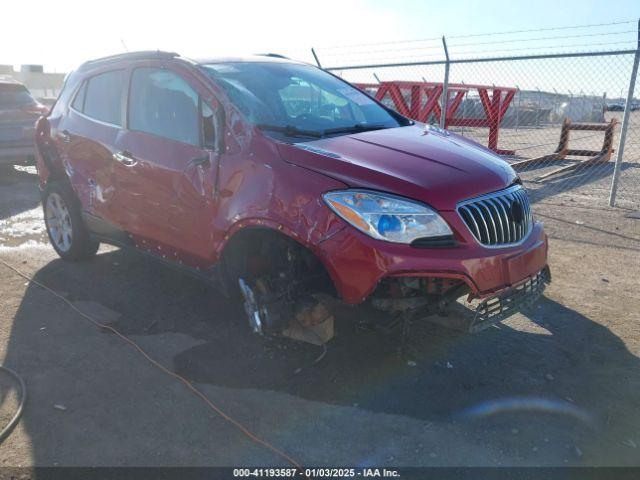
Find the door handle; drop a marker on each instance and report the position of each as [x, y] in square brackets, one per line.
[125, 158]
[65, 136]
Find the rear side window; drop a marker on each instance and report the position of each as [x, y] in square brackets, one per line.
[101, 97]
[78, 102]
[163, 104]
[14, 96]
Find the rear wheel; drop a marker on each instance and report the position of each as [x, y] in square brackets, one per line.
[67, 232]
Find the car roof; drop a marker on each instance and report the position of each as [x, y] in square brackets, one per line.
[158, 54]
[258, 58]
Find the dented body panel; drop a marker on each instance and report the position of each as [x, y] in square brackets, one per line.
[357, 264]
[173, 207]
[411, 161]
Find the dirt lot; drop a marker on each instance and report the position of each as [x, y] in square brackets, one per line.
[557, 386]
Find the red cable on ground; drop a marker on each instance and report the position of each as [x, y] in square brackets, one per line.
[186, 382]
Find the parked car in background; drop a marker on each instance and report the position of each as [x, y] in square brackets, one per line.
[18, 114]
[615, 107]
[619, 107]
[285, 184]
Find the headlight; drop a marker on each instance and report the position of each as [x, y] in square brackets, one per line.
[387, 217]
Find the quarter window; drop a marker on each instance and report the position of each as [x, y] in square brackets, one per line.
[163, 104]
[78, 102]
[103, 97]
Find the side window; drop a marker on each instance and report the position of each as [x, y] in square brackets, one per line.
[163, 104]
[78, 102]
[103, 97]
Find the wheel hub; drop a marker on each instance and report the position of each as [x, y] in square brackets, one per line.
[58, 221]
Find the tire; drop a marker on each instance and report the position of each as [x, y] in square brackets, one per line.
[67, 232]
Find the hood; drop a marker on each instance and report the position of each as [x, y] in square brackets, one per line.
[437, 168]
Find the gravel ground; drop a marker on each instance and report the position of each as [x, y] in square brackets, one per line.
[559, 385]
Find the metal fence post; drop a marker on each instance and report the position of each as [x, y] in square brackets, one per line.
[625, 124]
[518, 108]
[464, 106]
[539, 107]
[445, 87]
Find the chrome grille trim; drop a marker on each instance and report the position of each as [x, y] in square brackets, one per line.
[491, 221]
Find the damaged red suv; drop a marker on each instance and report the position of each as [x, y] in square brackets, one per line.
[284, 184]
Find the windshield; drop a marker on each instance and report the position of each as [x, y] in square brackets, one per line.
[14, 96]
[299, 100]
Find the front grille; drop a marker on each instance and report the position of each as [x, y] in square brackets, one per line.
[498, 219]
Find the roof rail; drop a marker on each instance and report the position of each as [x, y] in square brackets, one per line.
[274, 55]
[148, 54]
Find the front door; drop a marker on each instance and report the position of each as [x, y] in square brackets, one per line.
[165, 167]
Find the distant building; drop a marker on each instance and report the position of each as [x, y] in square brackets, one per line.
[41, 84]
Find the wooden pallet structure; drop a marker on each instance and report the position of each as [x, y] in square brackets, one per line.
[563, 151]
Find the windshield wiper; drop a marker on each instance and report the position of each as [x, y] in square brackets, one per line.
[290, 130]
[358, 127]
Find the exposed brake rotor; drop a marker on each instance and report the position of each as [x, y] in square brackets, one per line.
[257, 316]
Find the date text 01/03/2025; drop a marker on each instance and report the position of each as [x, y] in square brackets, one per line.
[315, 472]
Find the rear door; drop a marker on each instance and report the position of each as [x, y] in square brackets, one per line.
[164, 174]
[87, 136]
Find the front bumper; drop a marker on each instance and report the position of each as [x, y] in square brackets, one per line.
[357, 263]
[495, 309]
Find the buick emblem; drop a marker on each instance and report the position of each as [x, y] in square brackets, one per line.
[517, 212]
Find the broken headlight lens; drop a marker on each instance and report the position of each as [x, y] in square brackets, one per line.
[387, 217]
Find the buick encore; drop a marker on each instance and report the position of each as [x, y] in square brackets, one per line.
[281, 184]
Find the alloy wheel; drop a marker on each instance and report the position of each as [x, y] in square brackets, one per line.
[58, 220]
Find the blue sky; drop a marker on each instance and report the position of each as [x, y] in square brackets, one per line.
[424, 18]
[542, 22]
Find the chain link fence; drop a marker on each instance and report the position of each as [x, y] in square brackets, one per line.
[556, 117]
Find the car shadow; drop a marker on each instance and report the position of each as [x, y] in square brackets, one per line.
[562, 356]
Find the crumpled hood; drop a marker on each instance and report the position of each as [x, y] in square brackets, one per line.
[427, 165]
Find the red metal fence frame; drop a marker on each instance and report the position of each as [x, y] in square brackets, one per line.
[425, 99]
